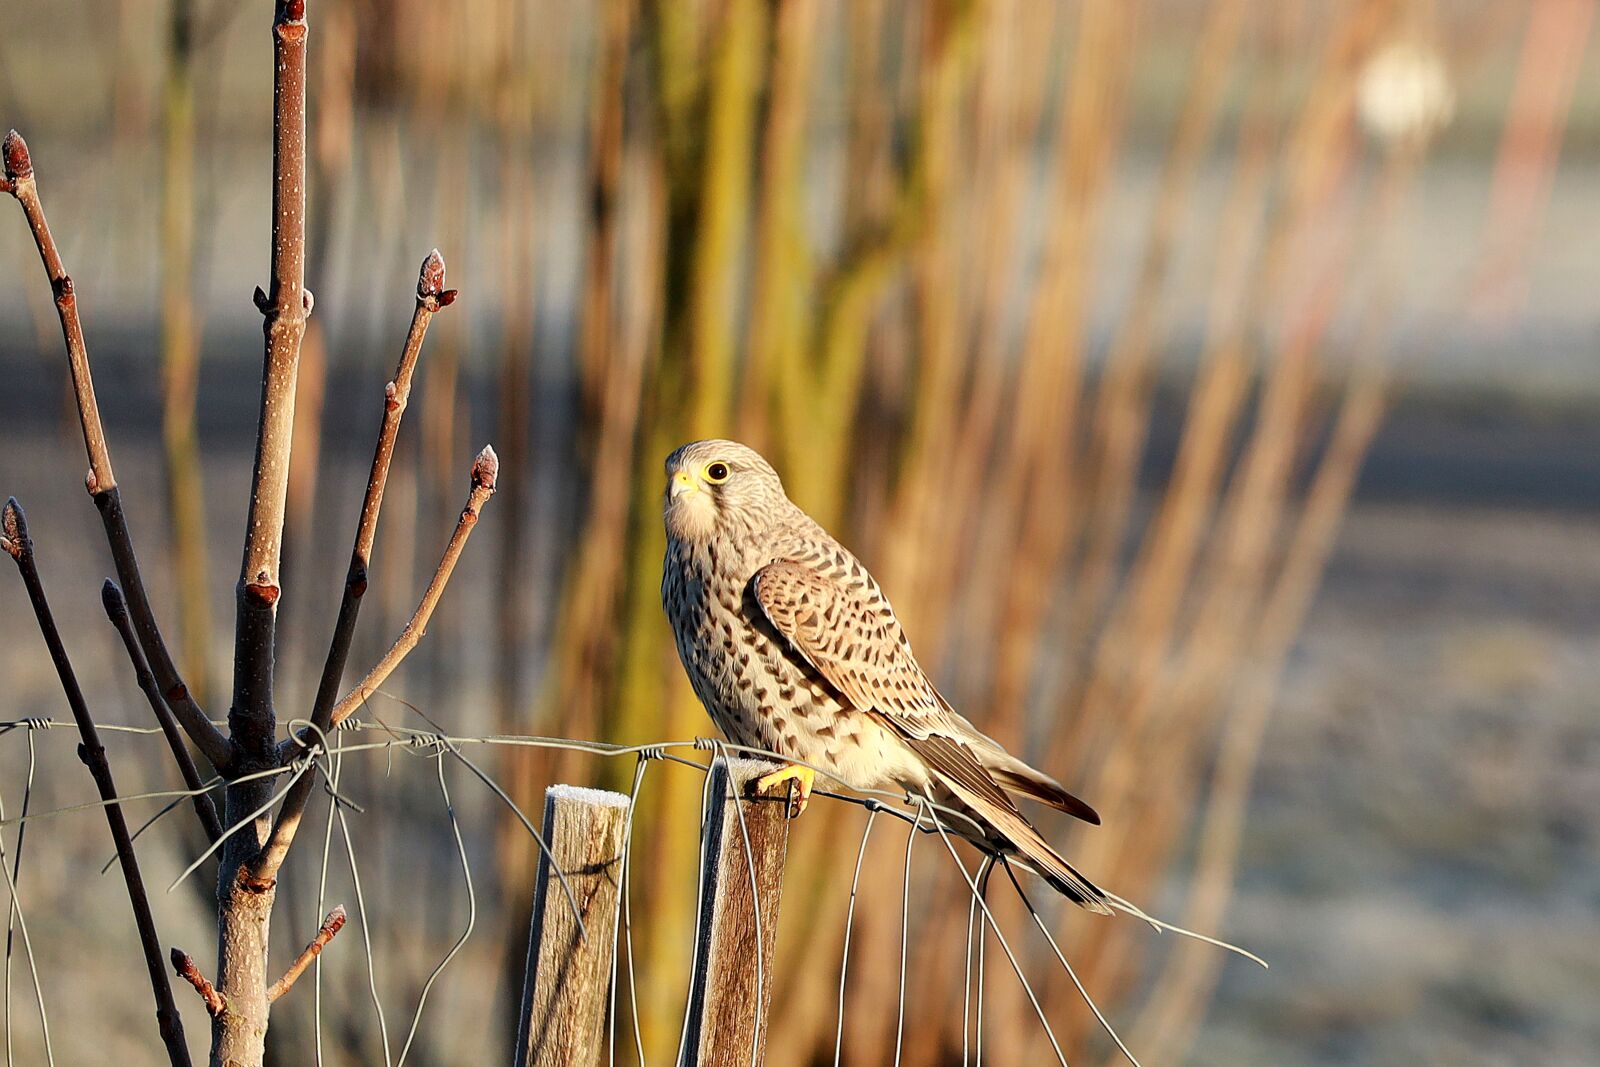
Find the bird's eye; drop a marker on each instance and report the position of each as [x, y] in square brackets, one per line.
[716, 473]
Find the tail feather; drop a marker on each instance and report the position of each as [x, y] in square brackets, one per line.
[955, 767]
[1019, 778]
[1040, 857]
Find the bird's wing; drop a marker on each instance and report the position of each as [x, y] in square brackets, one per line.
[848, 634]
[846, 631]
[844, 628]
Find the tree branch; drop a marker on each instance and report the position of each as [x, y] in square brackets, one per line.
[16, 542]
[284, 308]
[244, 911]
[185, 967]
[485, 469]
[19, 181]
[330, 927]
[431, 297]
[117, 612]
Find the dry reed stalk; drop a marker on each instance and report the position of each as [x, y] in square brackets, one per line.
[1148, 734]
[596, 338]
[180, 349]
[1010, 92]
[736, 67]
[940, 325]
[1553, 48]
[1039, 454]
[1173, 1010]
[514, 414]
[1122, 406]
[783, 273]
[946, 65]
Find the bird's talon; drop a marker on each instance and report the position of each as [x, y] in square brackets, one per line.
[803, 778]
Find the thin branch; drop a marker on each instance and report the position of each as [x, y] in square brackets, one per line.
[431, 297]
[485, 470]
[19, 546]
[284, 308]
[330, 926]
[185, 967]
[19, 180]
[21, 184]
[117, 612]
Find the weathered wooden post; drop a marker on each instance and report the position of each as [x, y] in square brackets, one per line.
[730, 988]
[565, 985]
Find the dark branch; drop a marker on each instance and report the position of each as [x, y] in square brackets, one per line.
[485, 470]
[19, 546]
[431, 296]
[117, 612]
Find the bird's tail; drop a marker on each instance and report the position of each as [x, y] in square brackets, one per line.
[1016, 833]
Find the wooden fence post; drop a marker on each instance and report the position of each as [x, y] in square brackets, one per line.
[565, 985]
[730, 988]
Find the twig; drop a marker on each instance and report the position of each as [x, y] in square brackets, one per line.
[485, 469]
[101, 482]
[431, 297]
[330, 926]
[117, 612]
[245, 907]
[284, 309]
[19, 546]
[185, 967]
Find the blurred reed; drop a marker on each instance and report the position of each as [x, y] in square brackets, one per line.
[868, 238]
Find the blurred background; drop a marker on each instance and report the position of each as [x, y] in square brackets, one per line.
[1213, 385]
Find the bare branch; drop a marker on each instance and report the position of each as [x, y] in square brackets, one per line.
[431, 296]
[101, 482]
[245, 907]
[330, 927]
[19, 546]
[284, 308]
[21, 184]
[117, 612]
[485, 469]
[185, 967]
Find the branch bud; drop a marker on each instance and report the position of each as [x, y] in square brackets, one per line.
[485, 469]
[430, 281]
[18, 164]
[111, 600]
[15, 527]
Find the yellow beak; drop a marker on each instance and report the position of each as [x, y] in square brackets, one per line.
[682, 482]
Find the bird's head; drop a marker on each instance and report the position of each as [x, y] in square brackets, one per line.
[716, 488]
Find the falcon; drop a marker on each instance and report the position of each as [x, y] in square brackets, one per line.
[793, 649]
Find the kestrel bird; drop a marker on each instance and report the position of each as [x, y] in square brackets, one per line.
[793, 648]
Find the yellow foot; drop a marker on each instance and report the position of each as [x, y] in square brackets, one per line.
[803, 778]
